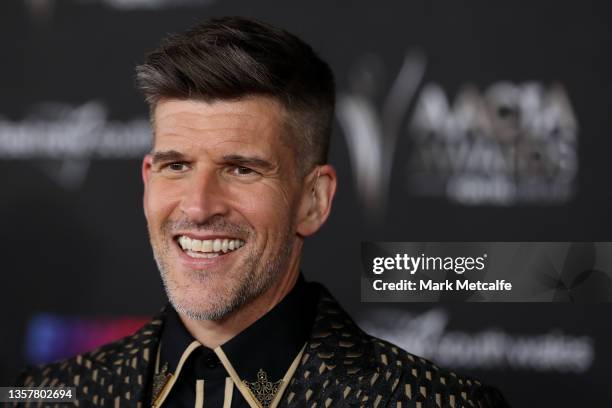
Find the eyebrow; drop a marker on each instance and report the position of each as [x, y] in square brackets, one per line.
[166, 156]
[235, 159]
[252, 161]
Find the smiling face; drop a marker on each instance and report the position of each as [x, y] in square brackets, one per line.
[226, 208]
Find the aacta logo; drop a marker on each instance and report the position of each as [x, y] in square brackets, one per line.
[507, 144]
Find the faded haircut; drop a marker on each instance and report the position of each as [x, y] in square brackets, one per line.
[234, 57]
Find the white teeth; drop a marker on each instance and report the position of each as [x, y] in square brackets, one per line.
[196, 245]
[208, 248]
[202, 255]
[185, 242]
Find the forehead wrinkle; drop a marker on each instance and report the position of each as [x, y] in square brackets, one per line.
[222, 148]
[241, 132]
[246, 110]
[247, 141]
[249, 123]
[204, 118]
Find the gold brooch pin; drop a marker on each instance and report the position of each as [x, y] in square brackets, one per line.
[262, 389]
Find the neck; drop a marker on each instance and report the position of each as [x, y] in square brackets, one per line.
[213, 333]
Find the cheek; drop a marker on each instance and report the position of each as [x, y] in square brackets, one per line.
[160, 199]
[267, 210]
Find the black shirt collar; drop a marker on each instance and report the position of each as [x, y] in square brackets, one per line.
[271, 343]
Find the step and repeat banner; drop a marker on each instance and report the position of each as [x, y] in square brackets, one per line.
[472, 143]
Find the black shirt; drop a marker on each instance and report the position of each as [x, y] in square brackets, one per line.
[260, 355]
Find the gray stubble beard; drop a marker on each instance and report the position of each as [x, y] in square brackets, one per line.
[249, 287]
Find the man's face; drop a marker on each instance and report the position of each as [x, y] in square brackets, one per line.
[221, 197]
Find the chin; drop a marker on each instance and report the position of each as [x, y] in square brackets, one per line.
[203, 307]
[200, 296]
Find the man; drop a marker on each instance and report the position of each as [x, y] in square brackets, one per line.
[237, 179]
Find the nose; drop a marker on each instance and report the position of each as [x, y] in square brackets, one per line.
[204, 197]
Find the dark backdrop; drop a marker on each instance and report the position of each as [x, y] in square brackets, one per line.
[73, 234]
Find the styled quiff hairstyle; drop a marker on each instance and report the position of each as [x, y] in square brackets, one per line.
[233, 57]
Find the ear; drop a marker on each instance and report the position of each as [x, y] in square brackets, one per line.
[316, 201]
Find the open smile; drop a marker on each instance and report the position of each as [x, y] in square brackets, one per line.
[208, 248]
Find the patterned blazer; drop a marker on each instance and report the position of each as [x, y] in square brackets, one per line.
[341, 367]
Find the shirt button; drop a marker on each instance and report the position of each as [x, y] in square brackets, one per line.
[212, 362]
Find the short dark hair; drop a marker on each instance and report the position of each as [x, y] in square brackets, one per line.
[235, 57]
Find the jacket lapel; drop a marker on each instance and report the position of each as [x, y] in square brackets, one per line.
[339, 366]
[120, 375]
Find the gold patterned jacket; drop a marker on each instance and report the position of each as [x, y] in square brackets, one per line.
[341, 367]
